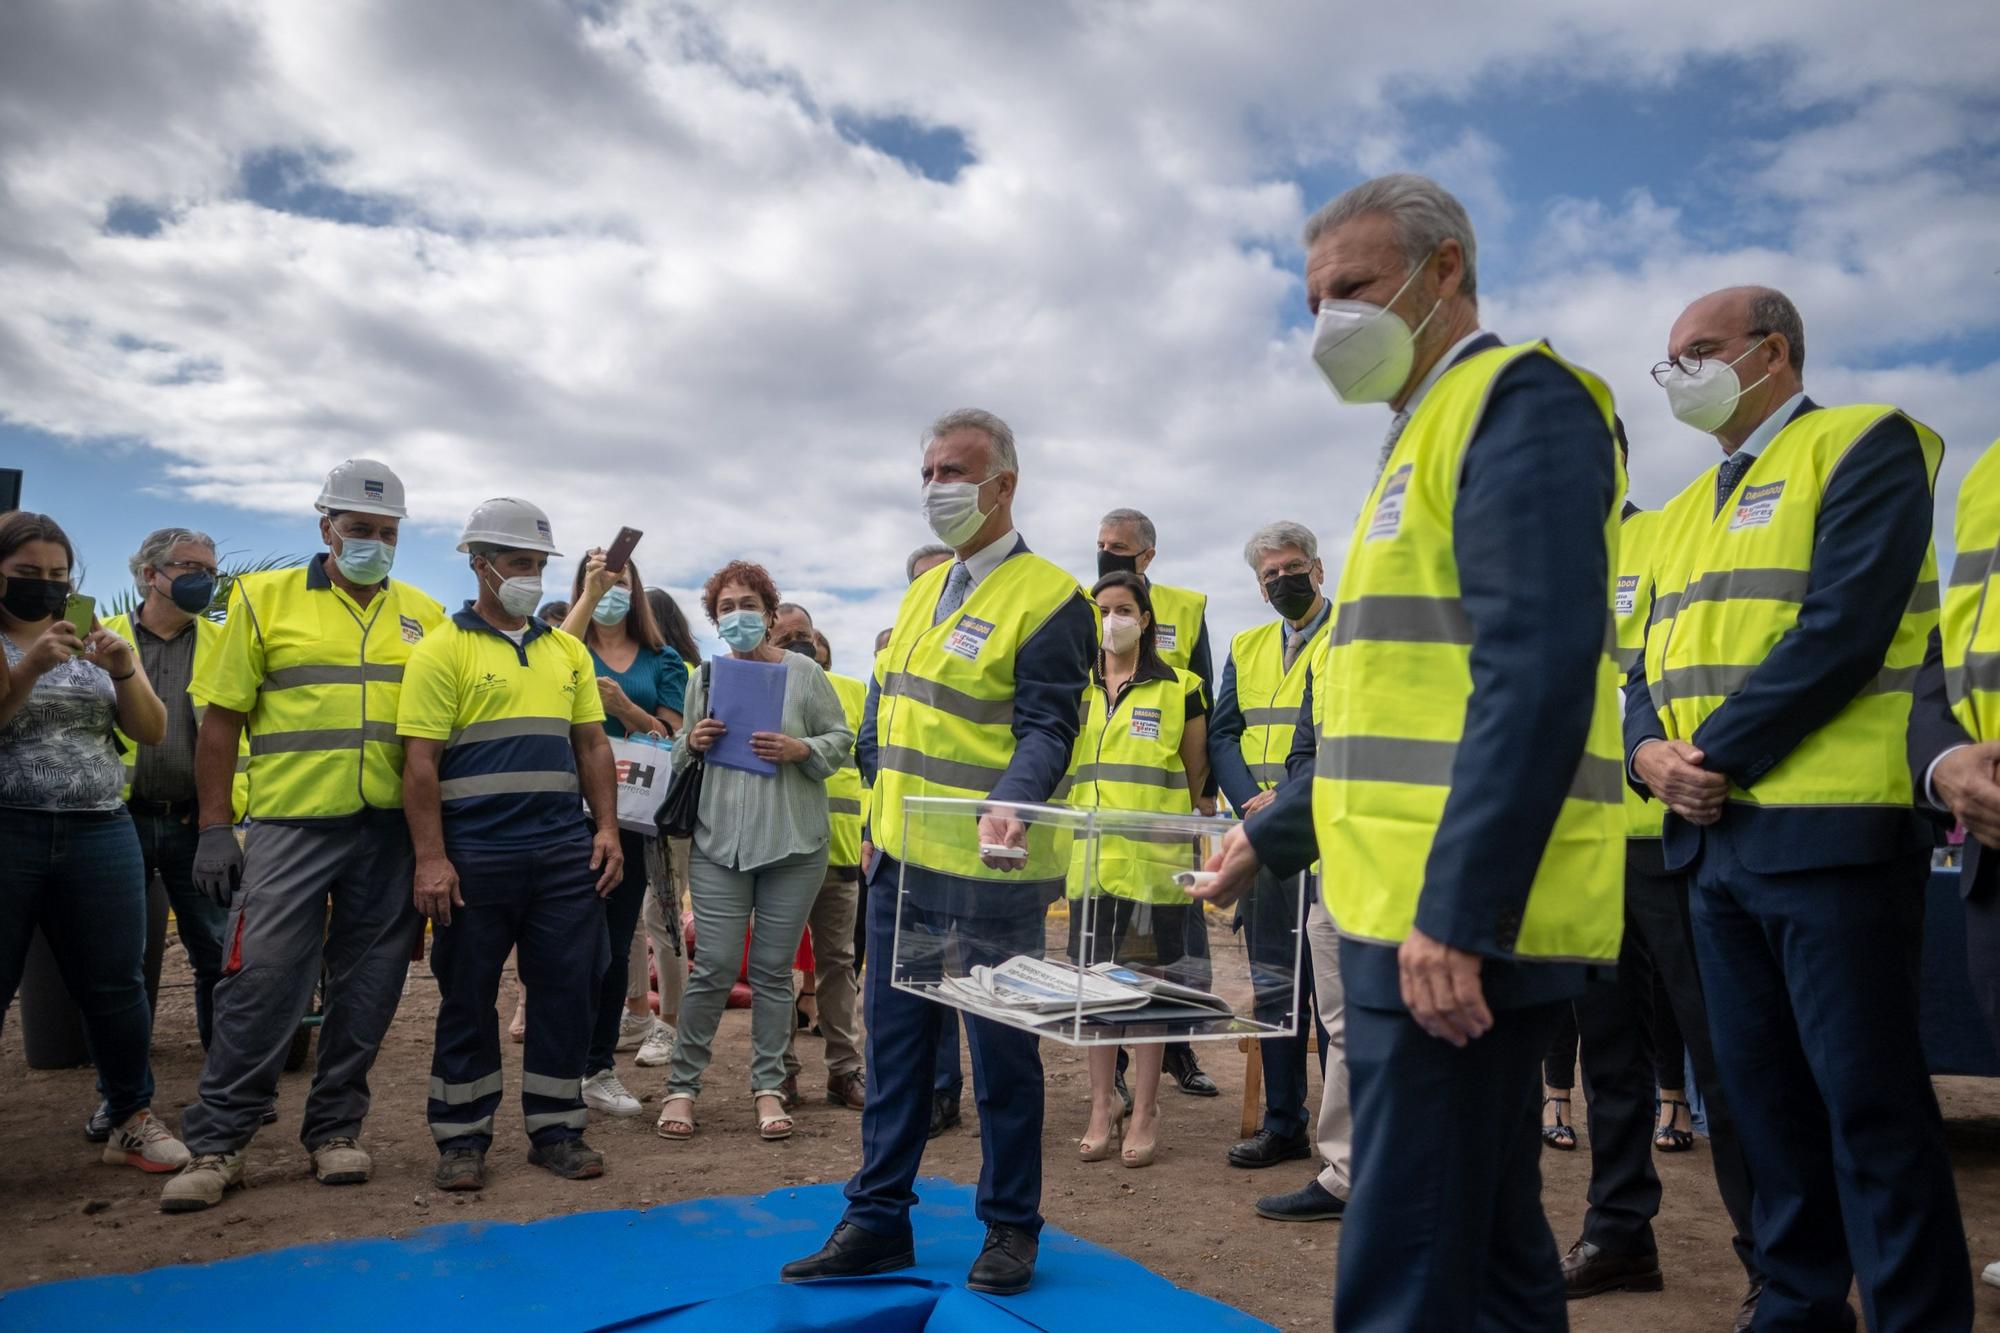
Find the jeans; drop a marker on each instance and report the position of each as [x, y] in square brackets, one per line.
[779, 896]
[78, 875]
[621, 918]
[167, 842]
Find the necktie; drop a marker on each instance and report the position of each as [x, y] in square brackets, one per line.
[1726, 477]
[1396, 425]
[956, 585]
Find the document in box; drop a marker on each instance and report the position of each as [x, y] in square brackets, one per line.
[746, 697]
[1024, 987]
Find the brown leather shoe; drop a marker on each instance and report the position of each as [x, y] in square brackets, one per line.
[849, 1090]
[1589, 1270]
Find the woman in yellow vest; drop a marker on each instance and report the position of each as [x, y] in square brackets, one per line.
[1144, 747]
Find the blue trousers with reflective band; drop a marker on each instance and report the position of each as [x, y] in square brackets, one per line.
[544, 904]
[78, 875]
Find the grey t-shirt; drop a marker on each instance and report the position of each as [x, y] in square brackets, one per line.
[57, 753]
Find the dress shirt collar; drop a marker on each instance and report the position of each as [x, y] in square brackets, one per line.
[1311, 626]
[1767, 430]
[1436, 372]
[987, 558]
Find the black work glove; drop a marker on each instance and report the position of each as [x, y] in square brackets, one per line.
[218, 864]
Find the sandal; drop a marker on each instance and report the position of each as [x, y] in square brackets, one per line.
[1670, 1137]
[677, 1127]
[773, 1128]
[1559, 1135]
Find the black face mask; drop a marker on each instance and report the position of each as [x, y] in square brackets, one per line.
[35, 599]
[1292, 595]
[803, 647]
[1110, 562]
[193, 592]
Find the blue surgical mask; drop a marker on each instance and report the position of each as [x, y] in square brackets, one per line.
[742, 630]
[614, 606]
[364, 561]
[193, 592]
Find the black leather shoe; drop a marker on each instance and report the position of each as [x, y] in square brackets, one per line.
[1188, 1075]
[98, 1127]
[1264, 1148]
[944, 1113]
[1314, 1203]
[1589, 1270]
[1746, 1309]
[852, 1252]
[1006, 1265]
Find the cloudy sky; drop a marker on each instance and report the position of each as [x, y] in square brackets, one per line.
[709, 269]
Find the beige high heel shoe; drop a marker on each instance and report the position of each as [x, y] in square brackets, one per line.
[1098, 1152]
[1136, 1157]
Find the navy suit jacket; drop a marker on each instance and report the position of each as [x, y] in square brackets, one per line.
[1051, 672]
[1537, 486]
[1873, 529]
[1933, 730]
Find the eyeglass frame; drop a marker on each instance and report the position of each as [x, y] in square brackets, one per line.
[175, 568]
[1660, 371]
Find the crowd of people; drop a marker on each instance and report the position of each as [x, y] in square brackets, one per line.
[1571, 780]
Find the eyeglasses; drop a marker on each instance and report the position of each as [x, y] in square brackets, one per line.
[1691, 364]
[176, 568]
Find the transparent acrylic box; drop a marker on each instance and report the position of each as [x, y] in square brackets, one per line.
[1084, 926]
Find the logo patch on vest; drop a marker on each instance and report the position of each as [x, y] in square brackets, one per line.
[1166, 637]
[1388, 520]
[412, 631]
[1756, 505]
[968, 636]
[1626, 599]
[1146, 724]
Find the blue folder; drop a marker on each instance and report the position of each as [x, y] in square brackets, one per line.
[746, 697]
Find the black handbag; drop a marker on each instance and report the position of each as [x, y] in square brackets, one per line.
[680, 811]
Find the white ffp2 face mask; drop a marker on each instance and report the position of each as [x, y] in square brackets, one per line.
[952, 509]
[1705, 399]
[1366, 351]
[518, 596]
[1120, 634]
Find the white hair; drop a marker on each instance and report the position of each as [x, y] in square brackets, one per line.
[1279, 536]
[973, 418]
[154, 549]
[1423, 213]
[921, 554]
[1148, 538]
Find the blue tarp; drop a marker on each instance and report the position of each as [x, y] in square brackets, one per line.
[708, 1264]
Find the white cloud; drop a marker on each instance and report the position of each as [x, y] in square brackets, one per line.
[636, 269]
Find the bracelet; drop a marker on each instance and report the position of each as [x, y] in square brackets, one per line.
[127, 676]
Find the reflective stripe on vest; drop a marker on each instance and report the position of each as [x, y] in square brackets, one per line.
[322, 735]
[943, 720]
[843, 788]
[1130, 761]
[1390, 693]
[207, 634]
[1969, 629]
[1738, 579]
[1631, 607]
[1269, 693]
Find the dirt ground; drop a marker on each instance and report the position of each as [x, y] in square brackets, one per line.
[66, 1215]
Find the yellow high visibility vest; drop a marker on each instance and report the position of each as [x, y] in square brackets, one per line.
[1177, 619]
[1130, 759]
[1394, 683]
[944, 722]
[1269, 694]
[1970, 637]
[1631, 605]
[207, 637]
[843, 789]
[1729, 586]
[319, 678]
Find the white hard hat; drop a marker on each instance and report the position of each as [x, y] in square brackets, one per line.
[514, 525]
[363, 486]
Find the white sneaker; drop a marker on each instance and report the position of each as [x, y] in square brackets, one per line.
[202, 1183]
[145, 1143]
[1990, 1275]
[603, 1092]
[632, 1030]
[658, 1048]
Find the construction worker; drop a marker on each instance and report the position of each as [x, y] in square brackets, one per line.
[1256, 714]
[311, 664]
[833, 981]
[501, 726]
